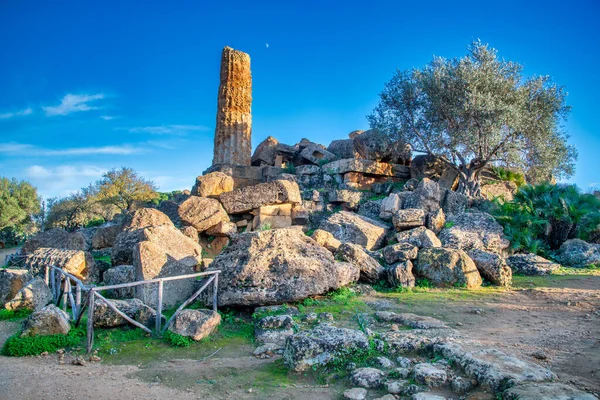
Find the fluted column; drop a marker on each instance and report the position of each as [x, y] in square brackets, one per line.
[233, 133]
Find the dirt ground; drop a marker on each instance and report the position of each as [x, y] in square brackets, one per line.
[556, 323]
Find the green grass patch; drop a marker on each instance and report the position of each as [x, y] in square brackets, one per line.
[10, 315]
[17, 346]
[105, 258]
[177, 340]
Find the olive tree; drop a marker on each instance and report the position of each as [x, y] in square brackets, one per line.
[476, 111]
[19, 201]
[124, 189]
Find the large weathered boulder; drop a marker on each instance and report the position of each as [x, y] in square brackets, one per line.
[492, 267]
[531, 264]
[430, 375]
[202, 213]
[116, 276]
[343, 148]
[265, 152]
[105, 317]
[426, 196]
[474, 230]
[247, 199]
[370, 269]
[421, 237]
[367, 377]
[212, 184]
[277, 266]
[366, 167]
[454, 202]
[76, 262]
[164, 251]
[426, 166]
[447, 267]
[389, 206]
[11, 281]
[35, 295]
[50, 320]
[370, 209]
[579, 254]
[106, 235]
[435, 221]
[373, 145]
[504, 190]
[171, 209]
[408, 218]
[223, 228]
[196, 324]
[122, 251]
[326, 240]
[272, 217]
[57, 239]
[400, 274]
[349, 227]
[322, 345]
[317, 155]
[399, 252]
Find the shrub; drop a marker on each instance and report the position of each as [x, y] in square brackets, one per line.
[177, 340]
[541, 218]
[507, 175]
[17, 346]
[95, 222]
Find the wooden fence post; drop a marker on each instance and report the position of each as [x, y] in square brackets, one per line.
[90, 321]
[215, 291]
[159, 306]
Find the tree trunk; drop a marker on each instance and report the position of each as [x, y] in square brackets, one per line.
[469, 181]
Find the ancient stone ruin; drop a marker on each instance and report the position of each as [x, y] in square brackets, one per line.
[234, 116]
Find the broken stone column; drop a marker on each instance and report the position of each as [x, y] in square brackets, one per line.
[234, 119]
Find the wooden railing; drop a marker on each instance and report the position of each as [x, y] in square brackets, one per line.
[60, 284]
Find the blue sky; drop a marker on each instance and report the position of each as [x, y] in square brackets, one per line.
[88, 86]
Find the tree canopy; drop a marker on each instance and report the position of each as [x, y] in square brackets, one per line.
[123, 188]
[19, 202]
[478, 110]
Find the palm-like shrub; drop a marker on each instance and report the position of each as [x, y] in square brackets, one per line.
[541, 218]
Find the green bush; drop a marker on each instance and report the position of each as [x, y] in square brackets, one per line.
[507, 175]
[95, 222]
[541, 218]
[17, 346]
[10, 315]
[177, 340]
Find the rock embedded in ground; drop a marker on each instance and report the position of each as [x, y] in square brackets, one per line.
[196, 324]
[383, 362]
[546, 391]
[355, 394]
[460, 385]
[421, 237]
[322, 345]
[447, 267]
[577, 253]
[50, 320]
[411, 320]
[277, 266]
[492, 267]
[116, 276]
[427, 396]
[531, 264]
[474, 231]
[429, 375]
[33, 296]
[370, 269]
[212, 184]
[274, 329]
[244, 200]
[352, 228]
[370, 378]
[202, 213]
[11, 281]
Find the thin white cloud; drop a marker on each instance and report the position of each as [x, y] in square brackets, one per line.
[22, 149]
[168, 129]
[108, 117]
[62, 180]
[22, 113]
[63, 171]
[73, 103]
